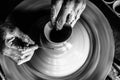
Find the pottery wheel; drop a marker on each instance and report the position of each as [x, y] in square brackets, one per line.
[86, 55]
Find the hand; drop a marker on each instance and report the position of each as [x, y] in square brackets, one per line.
[66, 11]
[18, 46]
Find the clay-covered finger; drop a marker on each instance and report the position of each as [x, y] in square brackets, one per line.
[55, 8]
[79, 8]
[26, 58]
[64, 13]
[71, 18]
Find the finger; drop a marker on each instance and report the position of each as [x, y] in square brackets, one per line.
[63, 14]
[27, 52]
[25, 58]
[80, 7]
[56, 6]
[71, 18]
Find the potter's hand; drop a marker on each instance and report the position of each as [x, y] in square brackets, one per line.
[17, 45]
[66, 11]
